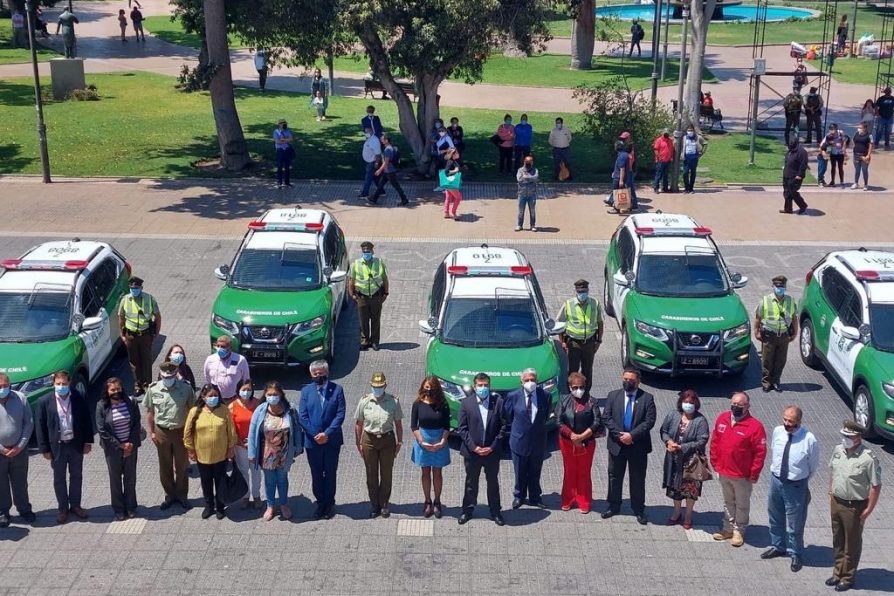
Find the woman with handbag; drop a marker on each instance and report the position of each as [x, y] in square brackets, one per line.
[120, 434]
[685, 434]
[580, 423]
[451, 182]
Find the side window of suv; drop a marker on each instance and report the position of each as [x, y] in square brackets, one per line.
[330, 247]
[437, 290]
[102, 279]
[625, 250]
[834, 288]
[90, 301]
[851, 312]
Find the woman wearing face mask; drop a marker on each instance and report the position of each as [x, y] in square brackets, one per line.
[580, 423]
[210, 440]
[430, 424]
[241, 409]
[684, 433]
[506, 132]
[177, 355]
[274, 440]
[118, 425]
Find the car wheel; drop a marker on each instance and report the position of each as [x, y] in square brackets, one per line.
[807, 345]
[79, 384]
[606, 298]
[625, 348]
[863, 410]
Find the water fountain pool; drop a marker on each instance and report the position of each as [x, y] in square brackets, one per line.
[740, 13]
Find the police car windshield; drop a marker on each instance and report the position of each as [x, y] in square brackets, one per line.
[881, 320]
[34, 317]
[498, 322]
[276, 269]
[691, 275]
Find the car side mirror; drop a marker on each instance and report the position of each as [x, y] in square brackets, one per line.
[865, 331]
[92, 323]
[621, 280]
[222, 272]
[851, 333]
[738, 280]
[426, 327]
[554, 328]
[337, 276]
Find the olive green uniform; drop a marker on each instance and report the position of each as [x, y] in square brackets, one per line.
[169, 408]
[379, 444]
[776, 329]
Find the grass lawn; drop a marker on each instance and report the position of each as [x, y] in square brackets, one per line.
[726, 159]
[860, 71]
[160, 132]
[164, 28]
[11, 55]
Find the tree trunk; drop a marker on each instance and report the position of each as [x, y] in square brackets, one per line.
[583, 36]
[233, 150]
[700, 11]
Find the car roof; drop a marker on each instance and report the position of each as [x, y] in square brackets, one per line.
[867, 260]
[276, 240]
[487, 287]
[486, 256]
[675, 244]
[293, 216]
[662, 221]
[26, 281]
[882, 293]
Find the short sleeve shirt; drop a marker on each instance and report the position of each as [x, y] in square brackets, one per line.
[390, 153]
[853, 475]
[169, 406]
[378, 415]
[622, 161]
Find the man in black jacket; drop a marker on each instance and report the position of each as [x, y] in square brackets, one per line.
[64, 437]
[793, 176]
[629, 415]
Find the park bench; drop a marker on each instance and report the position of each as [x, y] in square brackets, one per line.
[370, 87]
[709, 116]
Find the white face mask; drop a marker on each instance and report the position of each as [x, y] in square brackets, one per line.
[529, 386]
[847, 442]
[578, 393]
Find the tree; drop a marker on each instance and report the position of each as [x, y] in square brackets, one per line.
[583, 33]
[700, 12]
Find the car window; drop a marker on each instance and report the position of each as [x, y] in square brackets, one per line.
[341, 251]
[437, 291]
[834, 288]
[498, 321]
[103, 278]
[330, 247]
[272, 269]
[34, 316]
[91, 302]
[625, 250]
[852, 311]
[689, 275]
[881, 318]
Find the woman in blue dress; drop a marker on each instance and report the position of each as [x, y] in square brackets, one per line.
[430, 423]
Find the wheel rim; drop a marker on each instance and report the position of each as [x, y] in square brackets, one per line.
[806, 341]
[861, 408]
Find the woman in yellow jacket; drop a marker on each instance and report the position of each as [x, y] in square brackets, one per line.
[210, 439]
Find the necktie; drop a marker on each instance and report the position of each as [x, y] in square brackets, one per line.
[783, 467]
[628, 414]
[528, 408]
[483, 404]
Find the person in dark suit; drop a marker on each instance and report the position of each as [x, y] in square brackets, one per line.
[321, 413]
[482, 429]
[119, 429]
[526, 411]
[629, 415]
[64, 437]
[372, 121]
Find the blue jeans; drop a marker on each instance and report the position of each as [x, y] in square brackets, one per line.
[634, 203]
[883, 128]
[821, 165]
[529, 201]
[787, 510]
[368, 177]
[861, 166]
[276, 481]
[660, 175]
[690, 164]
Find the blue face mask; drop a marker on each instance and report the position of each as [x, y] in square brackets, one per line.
[177, 358]
[245, 394]
[222, 352]
[688, 408]
[367, 256]
[583, 296]
[4, 392]
[63, 390]
[273, 400]
[779, 291]
[169, 381]
[482, 392]
[690, 134]
[212, 401]
[136, 292]
[508, 120]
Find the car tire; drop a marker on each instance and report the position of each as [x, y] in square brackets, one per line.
[864, 410]
[606, 298]
[625, 348]
[79, 384]
[807, 344]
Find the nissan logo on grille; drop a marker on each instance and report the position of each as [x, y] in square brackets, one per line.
[695, 340]
[264, 333]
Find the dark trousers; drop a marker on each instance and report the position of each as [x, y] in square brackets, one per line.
[580, 357]
[14, 476]
[491, 467]
[519, 153]
[378, 455]
[837, 161]
[323, 462]
[690, 165]
[122, 480]
[883, 129]
[262, 78]
[661, 170]
[792, 121]
[847, 537]
[790, 192]
[369, 310]
[283, 166]
[774, 351]
[139, 353]
[815, 124]
[173, 463]
[527, 476]
[368, 177]
[380, 187]
[636, 462]
[635, 44]
[212, 477]
[68, 475]
[561, 155]
[505, 160]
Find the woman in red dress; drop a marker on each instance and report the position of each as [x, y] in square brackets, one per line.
[580, 423]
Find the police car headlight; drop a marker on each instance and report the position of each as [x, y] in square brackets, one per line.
[452, 390]
[736, 332]
[658, 333]
[305, 327]
[227, 325]
[28, 387]
[889, 388]
[550, 384]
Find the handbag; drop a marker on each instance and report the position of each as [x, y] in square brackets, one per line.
[235, 487]
[453, 182]
[564, 173]
[496, 140]
[621, 199]
[697, 468]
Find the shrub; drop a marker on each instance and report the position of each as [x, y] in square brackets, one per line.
[88, 94]
[195, 79]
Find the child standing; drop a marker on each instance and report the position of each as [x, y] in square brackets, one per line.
[319, 103]
[122, 22]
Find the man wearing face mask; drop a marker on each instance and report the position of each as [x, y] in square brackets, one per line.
[854, 488]
[629, 415]
[372, 157]
[368, 286]
[793, 176]
[776, 325]
[16, 425]
[379, 434]
[738, 450]
[321, 413]
[140, 321]
[583, 331]
[795, 458]
[525, 412]
[560, 141]
[64, 436]
[524, 137]
[528, 179]
[226, 369]
[481, 428]
[167, 404]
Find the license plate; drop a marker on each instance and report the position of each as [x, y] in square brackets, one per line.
[267, 354]
[695, 360]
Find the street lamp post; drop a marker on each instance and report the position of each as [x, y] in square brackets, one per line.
[666, 35]
[678, 132]
[656, 37]
[38, 100]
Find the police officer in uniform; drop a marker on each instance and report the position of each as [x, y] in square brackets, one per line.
[776, 325]
[854, 488]
[583, 331]
[140, 321]
[368, 286]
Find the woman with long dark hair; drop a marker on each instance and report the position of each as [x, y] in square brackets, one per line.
[430, 424]
[685, 433]
[209, 436]
[177, 355]
[118, 425]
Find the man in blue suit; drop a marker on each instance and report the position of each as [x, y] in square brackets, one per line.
[321, 414]
[525, 412]
[371, 121]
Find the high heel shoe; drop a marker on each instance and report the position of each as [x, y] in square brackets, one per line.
[427, 509]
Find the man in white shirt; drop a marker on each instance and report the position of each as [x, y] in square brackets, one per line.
[560, 141]
[372, 157]
[226, 369]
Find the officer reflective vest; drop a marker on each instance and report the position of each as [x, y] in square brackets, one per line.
[581, 322]
[369, 277]
[138, 312]
[777, 318]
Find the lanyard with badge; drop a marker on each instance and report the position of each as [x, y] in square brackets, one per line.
[67, 433]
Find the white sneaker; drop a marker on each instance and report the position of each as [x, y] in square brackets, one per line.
[533, 229]
[855, 186]
[518, 228]
[865, 188]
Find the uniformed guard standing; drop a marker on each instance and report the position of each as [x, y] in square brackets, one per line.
[776, 325]
[855, 485]
[583, 330]
[379, 433]
[140, 321]
[368, 286]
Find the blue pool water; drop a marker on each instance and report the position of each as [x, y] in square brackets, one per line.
[743, 13]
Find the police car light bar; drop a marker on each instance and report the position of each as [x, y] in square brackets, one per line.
[285, 227]
[23, 265]
[519, 270]
[869, 275]
[699, 231]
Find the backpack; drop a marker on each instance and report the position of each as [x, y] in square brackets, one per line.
[639, 33]
[395, 160]
[792, 103]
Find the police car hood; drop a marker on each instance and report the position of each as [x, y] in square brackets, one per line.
[26, 361]
[256, 307]
[687, 314]
[460, 364]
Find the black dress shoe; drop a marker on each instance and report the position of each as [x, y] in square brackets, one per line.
[374, 513]
[608, 513]
[375, 347]
[29, 517]
[832, 581]
[498, 519]
[642, 519]
[207, 512]
[4, 520]
[843, 587]
[464, 518]
[516, 503]
[185, 504]
[777, 388]
[796, 564]
[221, 514]
[166, 504]
[330, 512]
[364, 347]
[772, 553]
[538, 504]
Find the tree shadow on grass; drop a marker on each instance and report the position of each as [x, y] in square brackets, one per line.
[11, 160]
[16, 94]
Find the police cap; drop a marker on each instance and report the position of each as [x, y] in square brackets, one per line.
[581, 284]
[780, 280]
[168, 369]
[378, 379]
[366, 245]
[849, 428]
[136, 282]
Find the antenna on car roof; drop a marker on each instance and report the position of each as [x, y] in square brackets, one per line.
[862, 249]
[75, 239]
[484, 245]
[658, 212]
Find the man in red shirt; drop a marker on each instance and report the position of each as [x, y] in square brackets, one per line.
[664, 156]
[738, 451]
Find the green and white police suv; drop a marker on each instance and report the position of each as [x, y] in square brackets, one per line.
[284, 289]
[59, 311]
[847, 326]
[668, 287]
[487, 314]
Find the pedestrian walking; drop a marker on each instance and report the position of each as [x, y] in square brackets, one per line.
[626, 138]
[560, 141]
[225, 369]
[524, 138]
[320, 86]
[793, 172]
[379, 434]
[262, 67]
[795, 457]
[241, 410]
[139, 321]
[321, 413]
[19, 32]
[663, 148]
[506, 136]
[66, 24]
[368, 286]
[430, 425]
[119, 429]
[738, 450]
[854, 489]
[64, 436]
[841, 35]
[122, 23]
[136, 18]
[16, 426]
[835, 147]
[637, 34]
[387, 172]
[862, 144]
[525, 413]
[580, 424]
[776, 325]
[209, 436]
[453, 195]
[694, 146]
[813, 109]
[884, 111]
[792, 104]
[684, 433]
[528, 186]
[620, 171]
[372, 159]
[583, 331]
[177, 356]
[372, 122]
[285, 153]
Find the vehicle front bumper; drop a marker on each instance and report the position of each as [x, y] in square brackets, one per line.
[680, 355]
[289, 350]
